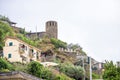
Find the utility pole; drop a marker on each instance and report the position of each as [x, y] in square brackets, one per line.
[90, 70]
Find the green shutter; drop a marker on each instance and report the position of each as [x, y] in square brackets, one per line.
[9, 55]
[10, 43]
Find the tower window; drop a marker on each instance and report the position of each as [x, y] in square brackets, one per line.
[9, 55]
[10, 43]
[50, 24]
[53, 23]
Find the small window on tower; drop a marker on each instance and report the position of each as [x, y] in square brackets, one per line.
[50, 23]
[53, 23]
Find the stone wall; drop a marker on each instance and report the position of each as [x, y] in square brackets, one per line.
[17, 75]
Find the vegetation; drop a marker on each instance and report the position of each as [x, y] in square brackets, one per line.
[5, 30]
[95, 76]
[62, 77]
[20, 66]
[45, 44]
[72, 71]
[38, 70]
[27, 40]
[76, 47]
[58, 43]
[5, 65]
[111, 71]
[67, 71]
[4, 18]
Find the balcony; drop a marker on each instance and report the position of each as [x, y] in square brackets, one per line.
[22, 48]
[38, 56]
[31, 53]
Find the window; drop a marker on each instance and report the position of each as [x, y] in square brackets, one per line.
[50, 24]
[10, 43]
[9, 55]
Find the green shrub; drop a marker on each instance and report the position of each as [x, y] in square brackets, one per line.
[4, 70]
[72, 71]
[62, 77]
[25, 39]
[5, 30]
[20, 66]
[38, 70]
[111, 71]
[47, 74]
[58, 43]
[95, 76]
[34, 68]
[5, 65]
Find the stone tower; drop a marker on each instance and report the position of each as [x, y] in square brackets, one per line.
[51, 29]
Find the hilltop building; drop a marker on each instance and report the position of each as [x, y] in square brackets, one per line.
[16, 50]
[51, 31]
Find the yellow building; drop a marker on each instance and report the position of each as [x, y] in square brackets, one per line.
[16, 50]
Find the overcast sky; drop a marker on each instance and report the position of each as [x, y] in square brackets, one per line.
[94, 24]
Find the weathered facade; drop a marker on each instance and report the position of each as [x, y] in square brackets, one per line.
[15, 50]
[36, 35]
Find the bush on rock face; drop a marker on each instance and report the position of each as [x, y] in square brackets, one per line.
[4, 65]
[58, 43]
[72, 71]
[5, 30]
[35, 68]
[38, 70]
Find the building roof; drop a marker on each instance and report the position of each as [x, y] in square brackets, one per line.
[35, 33]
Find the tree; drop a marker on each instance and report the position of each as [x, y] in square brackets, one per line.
[5, 30]
[76, 47]
[111, 71]
[72, 71]
[34, 68]
[4, 18]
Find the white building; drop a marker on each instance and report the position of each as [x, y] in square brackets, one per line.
[16, 50]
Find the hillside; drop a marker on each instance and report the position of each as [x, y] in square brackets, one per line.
[52, 50]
